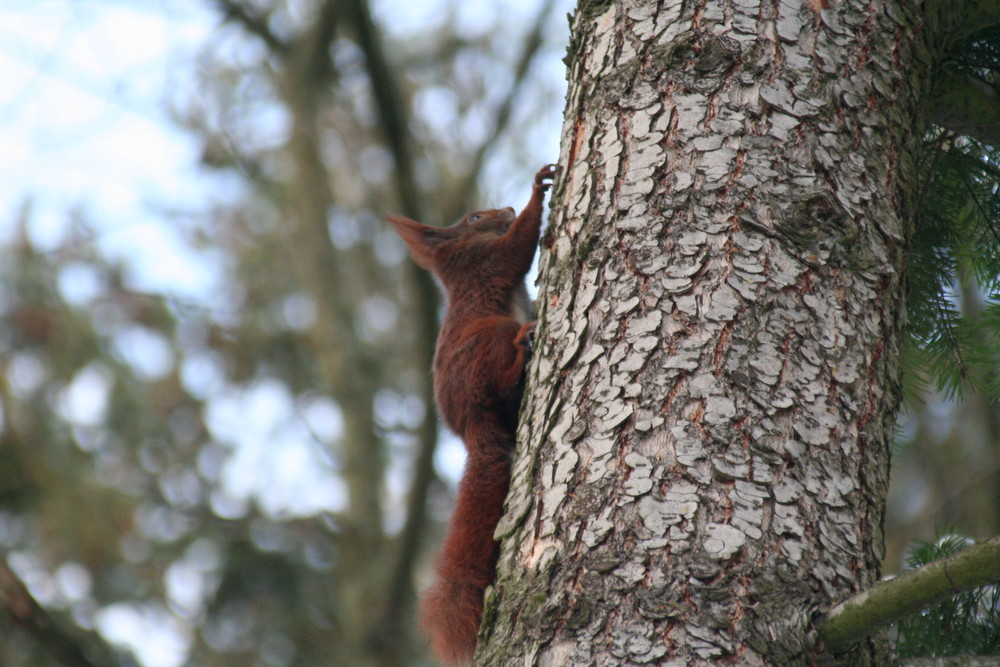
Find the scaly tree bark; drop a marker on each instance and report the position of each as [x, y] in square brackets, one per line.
[706, 433]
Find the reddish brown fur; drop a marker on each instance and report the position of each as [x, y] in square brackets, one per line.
[479, 363]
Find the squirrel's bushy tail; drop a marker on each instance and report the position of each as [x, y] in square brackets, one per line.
[450, 614]
[452, 607]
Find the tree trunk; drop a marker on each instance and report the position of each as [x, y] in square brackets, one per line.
[344, 369]
[705, 441]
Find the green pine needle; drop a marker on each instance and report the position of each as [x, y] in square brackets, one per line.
[954, 280]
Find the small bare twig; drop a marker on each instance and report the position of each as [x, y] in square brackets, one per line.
[253, 22]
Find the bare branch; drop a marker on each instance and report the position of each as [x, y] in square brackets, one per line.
[233, 10]
[25, 611]
[968, 106]
[389, 104]
[312, 51]
[887, 601]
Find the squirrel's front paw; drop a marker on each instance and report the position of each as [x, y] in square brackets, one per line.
[545, 175]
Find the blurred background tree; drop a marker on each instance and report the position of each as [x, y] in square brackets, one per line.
[217, 440]
[241, 471]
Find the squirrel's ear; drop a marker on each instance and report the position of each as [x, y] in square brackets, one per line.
[420, 239]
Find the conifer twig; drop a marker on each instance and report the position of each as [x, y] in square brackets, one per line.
[887, 601]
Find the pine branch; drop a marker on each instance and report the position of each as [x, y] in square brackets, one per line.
[958, 19]
[887, 601]
[967, 105]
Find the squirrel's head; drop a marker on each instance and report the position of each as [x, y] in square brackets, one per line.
[430, 245]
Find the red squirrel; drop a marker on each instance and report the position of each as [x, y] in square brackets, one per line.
[482, 349]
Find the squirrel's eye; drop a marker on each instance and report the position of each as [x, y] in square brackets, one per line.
[473, 218]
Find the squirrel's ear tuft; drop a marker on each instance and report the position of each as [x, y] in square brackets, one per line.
[420, 239]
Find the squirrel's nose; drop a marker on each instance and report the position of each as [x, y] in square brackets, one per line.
[510, 208]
